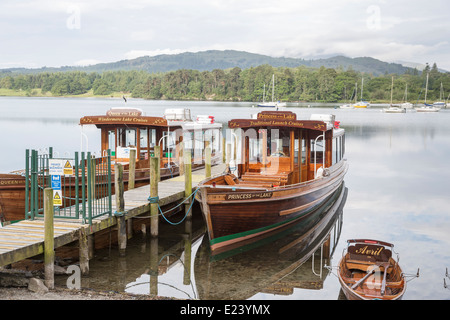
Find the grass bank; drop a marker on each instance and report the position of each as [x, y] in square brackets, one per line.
[38, 93]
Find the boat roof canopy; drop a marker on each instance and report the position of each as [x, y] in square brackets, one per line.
[134, 117]
[123, 116]
[286, 119]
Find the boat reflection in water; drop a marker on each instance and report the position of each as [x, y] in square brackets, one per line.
[294, 258]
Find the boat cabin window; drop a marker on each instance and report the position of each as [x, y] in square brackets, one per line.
[168, 144]
[268, 146]
[296, 148]
[151, 134]
[279, 143]
[112, 142]
[255, 145]
[147, 142]
[303, 151]
[317, 149]
[127, 137]
[143, 140]
[193, 144]
[212, 136]
[338, 149]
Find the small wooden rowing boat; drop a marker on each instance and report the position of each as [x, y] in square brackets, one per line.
[367, 271]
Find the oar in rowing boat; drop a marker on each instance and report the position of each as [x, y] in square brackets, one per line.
[362, 279]
[383, 284]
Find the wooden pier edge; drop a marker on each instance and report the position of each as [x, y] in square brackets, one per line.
[71, 231]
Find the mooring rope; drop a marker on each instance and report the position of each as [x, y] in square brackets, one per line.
[156, 200]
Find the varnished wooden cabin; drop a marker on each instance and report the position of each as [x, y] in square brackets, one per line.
[123, 129]
[287, 168]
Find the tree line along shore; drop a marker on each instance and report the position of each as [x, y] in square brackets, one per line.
[252, 84]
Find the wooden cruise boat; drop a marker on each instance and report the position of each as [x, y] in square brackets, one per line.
[367, 271]
[124, 129]
[288, 167]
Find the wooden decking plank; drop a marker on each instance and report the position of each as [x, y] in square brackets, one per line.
[41, 225]
[38, 231]
[19, 235]
[58, 224]
[4, 241]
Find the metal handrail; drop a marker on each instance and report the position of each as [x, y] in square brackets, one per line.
[315, 154]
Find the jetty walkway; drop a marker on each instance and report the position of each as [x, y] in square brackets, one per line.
[25, 239]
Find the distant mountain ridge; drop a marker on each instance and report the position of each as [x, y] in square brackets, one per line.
[215, 59]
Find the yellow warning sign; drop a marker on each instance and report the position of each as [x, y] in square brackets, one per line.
[57, 201]
[68, 168]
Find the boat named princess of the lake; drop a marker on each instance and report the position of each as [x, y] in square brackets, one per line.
[287, 168]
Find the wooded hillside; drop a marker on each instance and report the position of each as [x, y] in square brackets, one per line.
[235, 84]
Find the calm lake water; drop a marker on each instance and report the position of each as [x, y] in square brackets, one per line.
[398, 191]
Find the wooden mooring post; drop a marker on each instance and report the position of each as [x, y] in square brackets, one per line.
[84, 251]
[158, 155]
[208, 162]
[49, 239]
[154, 176]
[120, 208]
[132, 169]
[187, 181]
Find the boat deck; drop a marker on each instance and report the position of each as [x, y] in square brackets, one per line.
[25, 239]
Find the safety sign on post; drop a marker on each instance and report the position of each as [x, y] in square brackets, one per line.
[68, 168]
[56, 186]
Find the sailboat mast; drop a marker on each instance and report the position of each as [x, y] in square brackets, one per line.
[362, 87]
[426, 89]
[273, 85]
[406, 93]
[392, 89]
[264, 93]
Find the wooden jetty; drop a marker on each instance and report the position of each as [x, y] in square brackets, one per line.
[25, 239]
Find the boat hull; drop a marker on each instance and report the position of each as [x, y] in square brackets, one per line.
[351, 294]
[234, 218]
[427, 109]
[394, 110]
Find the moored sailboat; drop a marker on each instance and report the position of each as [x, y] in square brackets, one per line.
[427, 107]
[393, 108]
[362, 103]
[273, 103]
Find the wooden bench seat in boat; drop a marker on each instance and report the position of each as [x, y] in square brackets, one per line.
[255, 184]
[231, 180]
[274, 179]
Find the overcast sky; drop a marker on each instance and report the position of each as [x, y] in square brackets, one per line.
[36, 33]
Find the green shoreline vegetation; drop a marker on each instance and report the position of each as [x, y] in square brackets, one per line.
[292, 85]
